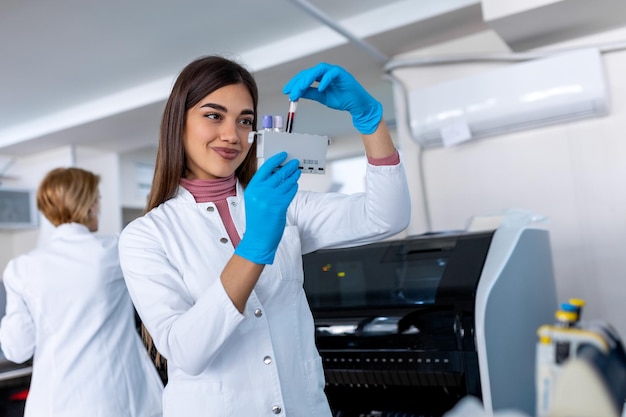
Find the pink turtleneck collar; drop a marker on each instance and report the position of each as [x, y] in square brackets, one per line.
[205, 191]
[216, 191]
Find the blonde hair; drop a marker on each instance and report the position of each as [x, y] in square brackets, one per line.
[65, 195]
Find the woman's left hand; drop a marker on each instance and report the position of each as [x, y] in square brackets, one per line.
[337, 89]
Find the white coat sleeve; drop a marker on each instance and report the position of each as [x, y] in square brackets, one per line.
[333, 220]
[179, 325]
[17, 329]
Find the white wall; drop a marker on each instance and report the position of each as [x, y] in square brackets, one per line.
[130, 194]
[572, 173]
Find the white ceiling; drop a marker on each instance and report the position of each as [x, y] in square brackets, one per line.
[97, 73]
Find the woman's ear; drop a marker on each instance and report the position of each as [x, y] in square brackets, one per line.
[92, 218]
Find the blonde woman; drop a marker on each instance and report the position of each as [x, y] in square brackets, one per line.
[68, 308]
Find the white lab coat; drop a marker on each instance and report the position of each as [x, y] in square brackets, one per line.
[67, 304]
[263, 362]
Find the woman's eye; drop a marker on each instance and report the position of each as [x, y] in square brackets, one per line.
[247, 122]
[213, 116]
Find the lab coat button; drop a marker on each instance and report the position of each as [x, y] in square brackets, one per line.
[258, 312]
[224, 240]
[233, 203]
[267, 360]
[276, 409]
[210, 209]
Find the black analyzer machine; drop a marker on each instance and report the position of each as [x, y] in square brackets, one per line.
[409, 327]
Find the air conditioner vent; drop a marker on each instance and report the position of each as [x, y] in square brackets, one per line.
[545, 91]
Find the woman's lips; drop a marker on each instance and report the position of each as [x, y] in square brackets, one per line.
[226, 153]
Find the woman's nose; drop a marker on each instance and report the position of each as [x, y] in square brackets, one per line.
[228, 132]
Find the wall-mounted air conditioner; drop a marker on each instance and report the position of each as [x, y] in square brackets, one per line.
[525, 95]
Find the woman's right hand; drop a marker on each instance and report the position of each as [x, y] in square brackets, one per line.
[267, 198]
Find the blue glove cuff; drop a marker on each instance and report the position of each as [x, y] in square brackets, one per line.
[255, 254]
[367, 122]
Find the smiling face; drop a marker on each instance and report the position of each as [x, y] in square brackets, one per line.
[216, 133]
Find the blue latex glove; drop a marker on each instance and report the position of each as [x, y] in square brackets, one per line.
[339, 90]
[267, 197]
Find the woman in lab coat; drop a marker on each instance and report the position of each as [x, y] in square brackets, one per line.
[215, 265]
[67, 304]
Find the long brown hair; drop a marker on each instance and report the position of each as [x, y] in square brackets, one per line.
[197, 80]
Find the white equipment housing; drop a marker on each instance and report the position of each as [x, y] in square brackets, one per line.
[545, 91]
[309, 150]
